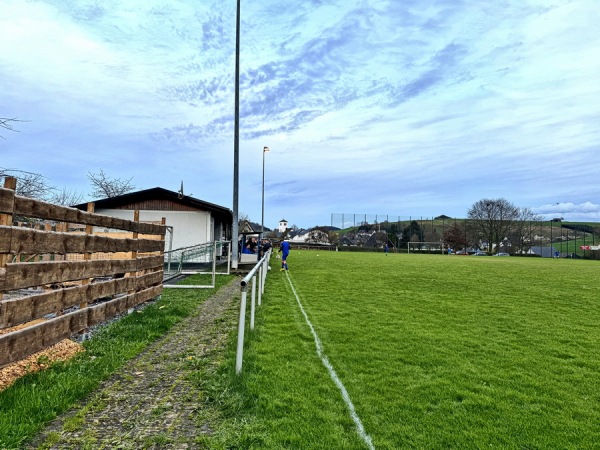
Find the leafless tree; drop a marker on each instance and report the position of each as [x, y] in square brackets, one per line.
[29, 184]
[66, 197]
[243, 217]
[493, 220]
[522, 228]
[6, 123]
[104, 186]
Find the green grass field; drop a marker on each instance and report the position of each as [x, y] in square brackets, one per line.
[434, 351]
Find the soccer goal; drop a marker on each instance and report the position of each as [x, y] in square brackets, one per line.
[426, 247]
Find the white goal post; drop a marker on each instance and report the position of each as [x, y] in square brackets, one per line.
[427, 247]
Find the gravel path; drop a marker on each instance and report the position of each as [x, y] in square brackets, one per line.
[157, 399]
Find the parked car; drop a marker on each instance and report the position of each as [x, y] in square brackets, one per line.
[479, 253]
[501, 254]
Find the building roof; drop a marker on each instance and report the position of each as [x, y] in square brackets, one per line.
[157, 193]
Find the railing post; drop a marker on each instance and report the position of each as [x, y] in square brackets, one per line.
[253, 303]
[240, 341]
[260, 285]
[214, 263]
[251, 277]
[264, 274]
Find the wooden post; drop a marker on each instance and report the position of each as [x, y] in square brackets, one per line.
[6, 220]
[136, 218]
[47, 229]
[162, 238]
[89, 229]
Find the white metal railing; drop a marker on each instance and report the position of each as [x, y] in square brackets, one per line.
[262, 268]
[186, 257]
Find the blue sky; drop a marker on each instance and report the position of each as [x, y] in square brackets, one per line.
[406, 108]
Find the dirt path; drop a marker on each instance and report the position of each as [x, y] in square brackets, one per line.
[156, 400]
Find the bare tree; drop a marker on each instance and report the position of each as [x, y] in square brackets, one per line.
[243, 217]
[29, 184]
[108, 187]
[66, 197]
[6, 123]
[521, 228]
[493, 220]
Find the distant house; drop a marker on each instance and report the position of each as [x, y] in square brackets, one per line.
[345, 241]
[313, 236]
[377, 240]
[193, 221]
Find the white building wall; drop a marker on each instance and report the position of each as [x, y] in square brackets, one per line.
[189, 227]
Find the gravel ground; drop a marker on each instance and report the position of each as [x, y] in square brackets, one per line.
[156, 400]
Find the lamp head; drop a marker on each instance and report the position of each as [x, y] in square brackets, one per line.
[266, 149]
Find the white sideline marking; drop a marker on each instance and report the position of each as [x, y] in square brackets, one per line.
[359, 426]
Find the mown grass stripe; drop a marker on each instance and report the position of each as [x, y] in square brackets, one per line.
[332, 373]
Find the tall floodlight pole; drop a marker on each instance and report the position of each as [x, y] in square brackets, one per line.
[262, 215]
[236, 144]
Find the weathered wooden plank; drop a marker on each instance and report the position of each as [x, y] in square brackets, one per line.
[22, 310]
[7, 201]
[19, 344]
[24, 275]
[150, 245]
[36, 208]
[19, 240]
[147, 294]
[2, 279]
[150, 262]
[29, 207]
[109, 309]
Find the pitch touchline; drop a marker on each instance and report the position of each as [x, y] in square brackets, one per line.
[359, 426]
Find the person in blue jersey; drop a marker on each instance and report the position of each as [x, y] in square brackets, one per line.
[284, 248]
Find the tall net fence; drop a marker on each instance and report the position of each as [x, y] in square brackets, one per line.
[546, 238]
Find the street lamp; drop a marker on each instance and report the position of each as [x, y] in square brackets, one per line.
[262, 217]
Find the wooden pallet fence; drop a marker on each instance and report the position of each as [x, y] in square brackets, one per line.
[75, 285]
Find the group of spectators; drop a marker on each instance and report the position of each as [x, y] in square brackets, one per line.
[251, 246]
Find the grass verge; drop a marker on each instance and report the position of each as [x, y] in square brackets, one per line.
[435, 352]
[38, 398]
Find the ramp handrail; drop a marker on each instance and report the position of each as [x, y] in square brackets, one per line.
[262, 268]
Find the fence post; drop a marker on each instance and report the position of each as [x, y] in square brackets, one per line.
[7, 219]
[87, 256]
